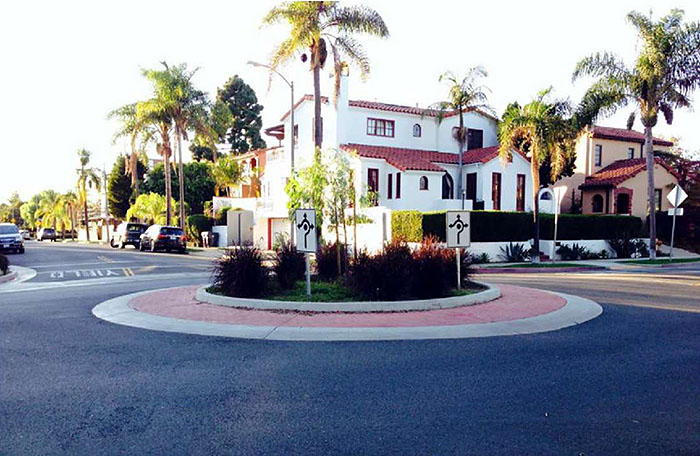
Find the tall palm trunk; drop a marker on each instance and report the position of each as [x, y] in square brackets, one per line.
[534, 170]
[649, 151]
[460, 140]
[135, 174]
[168, 188]
[85, 213]
[181, 177]
[318, 128]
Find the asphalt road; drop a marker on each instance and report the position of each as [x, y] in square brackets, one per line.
[624, 383]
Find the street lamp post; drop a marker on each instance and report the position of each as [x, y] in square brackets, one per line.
[291, 133]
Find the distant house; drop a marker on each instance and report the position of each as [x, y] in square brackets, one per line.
[610, 174]
[402, 153]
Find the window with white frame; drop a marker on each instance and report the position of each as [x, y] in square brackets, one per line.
[417, 131]
[598, 157]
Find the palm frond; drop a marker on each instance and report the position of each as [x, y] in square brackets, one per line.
[600, 64]
[358, 19]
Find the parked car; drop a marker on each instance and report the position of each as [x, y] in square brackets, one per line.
[10, 239]
[127, 233]
[46, 234]
[163, 237]
[26, 235]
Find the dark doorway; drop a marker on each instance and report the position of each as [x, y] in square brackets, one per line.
[447, 186]
[471, 187]
[623, 203]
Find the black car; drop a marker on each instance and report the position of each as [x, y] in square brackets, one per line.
[127, 234]
[163, 237]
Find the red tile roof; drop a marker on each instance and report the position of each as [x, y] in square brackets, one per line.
[421, 160]
[414, 110]
[621, 170]
[622, 134]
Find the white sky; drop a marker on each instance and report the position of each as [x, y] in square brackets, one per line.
[66, 64]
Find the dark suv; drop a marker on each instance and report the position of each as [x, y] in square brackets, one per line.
[10, 239]
[163, 237]
[127, 234]
[46, 234]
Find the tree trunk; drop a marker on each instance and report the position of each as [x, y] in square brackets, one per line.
[318, 129]
[345, 243]
[649, 151]
[181, 177]
[460, 140]
[85, 213]
[354, 230]
[168, 189]
[535, 257]
[337, 239]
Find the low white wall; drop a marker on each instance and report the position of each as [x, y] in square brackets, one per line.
[492, 249]
[594, 245]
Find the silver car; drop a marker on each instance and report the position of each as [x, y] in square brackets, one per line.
[10, 239]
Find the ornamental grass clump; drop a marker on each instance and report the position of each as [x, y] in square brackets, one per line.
[385, 276]
[327, 261]
[240, 273]
[434, 270]
[289, 264]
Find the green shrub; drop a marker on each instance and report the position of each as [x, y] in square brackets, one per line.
[577, 226]
[327, 261]
[627, 246]
[482, 258]
[434, 270]
[240, 273]
[221, 216]
[514, 253]
[406, 226]
[289, 265]
[4, 264]
[196, 224]
[361, 219]
[383, 277]
[574, 252]
[433, 224]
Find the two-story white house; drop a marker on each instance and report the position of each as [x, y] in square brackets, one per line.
[405, 154]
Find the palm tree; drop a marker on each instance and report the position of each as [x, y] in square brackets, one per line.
[132, 128]
[156, 113]
[87, 177]
[666, 72]
[188, 109]
[464, 95]
[50, 209]
[71, 203]
[543, 128]
[316, 26]
[151, 207]
[227, 172]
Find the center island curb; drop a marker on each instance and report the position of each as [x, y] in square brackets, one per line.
[577, 310]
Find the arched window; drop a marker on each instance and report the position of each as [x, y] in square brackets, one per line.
[545, 196]
[447, 186]
[623, 203]
[597, 203]
[417, 131]
[423, 183]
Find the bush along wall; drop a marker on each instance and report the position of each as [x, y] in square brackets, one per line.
[498, 226]
[196, 224]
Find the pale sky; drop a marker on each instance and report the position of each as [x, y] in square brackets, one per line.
[66, 64]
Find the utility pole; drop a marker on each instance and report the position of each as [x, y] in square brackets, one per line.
[104, 183]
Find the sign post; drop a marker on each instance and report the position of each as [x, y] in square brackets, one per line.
[676, 198]
[559, 193]
[457, 225]
[305, 228]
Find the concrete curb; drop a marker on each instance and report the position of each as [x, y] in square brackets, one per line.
[576, 311]
[497, 270]
[18, 274]
[492, 292]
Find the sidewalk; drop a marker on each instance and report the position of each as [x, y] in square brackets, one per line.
[518, 311]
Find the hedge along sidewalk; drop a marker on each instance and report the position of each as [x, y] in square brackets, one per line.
[499, 226]
[492, 292]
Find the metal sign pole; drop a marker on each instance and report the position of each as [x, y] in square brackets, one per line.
[459, 272]
[308, 275]
[673, 226]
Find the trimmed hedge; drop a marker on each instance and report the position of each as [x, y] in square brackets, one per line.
[499, 226]
[196, 224]
[406, 226]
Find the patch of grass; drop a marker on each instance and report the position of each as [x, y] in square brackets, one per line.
[463, 291]
[545, 265]
[320, 292]
[662, 261]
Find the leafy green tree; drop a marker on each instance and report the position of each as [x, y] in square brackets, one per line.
[665, 73]
[71, 206]
[545, 127]
[29, 212]
[308, 189]
[149, 207]
[236, 116]
[87, 177]
[198, 180]
[464, 95]
[318, 26]
[11, 211]
[50, 210]
[120, 189]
